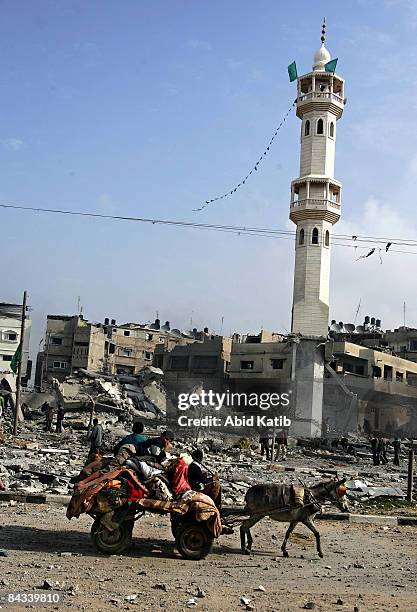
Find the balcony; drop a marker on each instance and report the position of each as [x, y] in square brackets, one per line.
[325, 101]
[310, 208]
[324, 95]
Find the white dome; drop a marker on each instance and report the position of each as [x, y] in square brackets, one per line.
[321, 57]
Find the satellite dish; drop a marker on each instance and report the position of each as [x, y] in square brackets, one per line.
[334, 327]
[360, 329]
[349, 327]
[176, 332]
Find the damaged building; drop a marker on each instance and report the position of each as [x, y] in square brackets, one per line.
[10, 327]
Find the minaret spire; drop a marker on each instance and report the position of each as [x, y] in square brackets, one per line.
[323, 31]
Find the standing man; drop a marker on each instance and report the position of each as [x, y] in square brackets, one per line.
[374, 446]
[397, 449]
[49, 413]
[264, 441]
[1, 405]
[96, 439]
[382, 450]
[282, 445]
[59, 418]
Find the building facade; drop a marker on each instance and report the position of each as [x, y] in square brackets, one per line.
[10, 327]
[315, 195]
[71, 343]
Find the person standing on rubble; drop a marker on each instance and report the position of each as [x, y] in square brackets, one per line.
[136, 438]
[282, 445]
[1, 405]
[375, 454]
[397, 449]
[96, 439]
[59, 418]
[382, 450]
[265, 441]
[49, 413]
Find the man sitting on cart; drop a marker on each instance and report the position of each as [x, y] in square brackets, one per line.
[202, 480]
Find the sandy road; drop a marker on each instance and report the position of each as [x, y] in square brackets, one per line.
[38, 540]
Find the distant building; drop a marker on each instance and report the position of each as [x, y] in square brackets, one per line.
[71, 343]
[135, 343]
[203, 363]
[10, 324]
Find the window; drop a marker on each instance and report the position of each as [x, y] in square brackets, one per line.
[277, 364]
[327, 238]
[7, 357]
[178, 363]
[360, 369]
[399, 377]
[315, 236]
[331, 130]
[148, 336]
[307, 128]
[79, 343]
[59, 365]
[161, 339]
[56, 341]
[205, 362]
[127, 352]
[320, 126]
[301, 238]
[10, 335]
[126, 332]
[246, 365]
[148, 355]
[376, 371]
[387, 372]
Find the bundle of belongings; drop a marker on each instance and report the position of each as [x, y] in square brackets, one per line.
[108, 483]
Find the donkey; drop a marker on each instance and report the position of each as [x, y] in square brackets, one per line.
[266, 500]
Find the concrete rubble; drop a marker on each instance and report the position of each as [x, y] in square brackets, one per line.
[37, 462]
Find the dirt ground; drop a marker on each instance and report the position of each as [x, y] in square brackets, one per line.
[373, 568]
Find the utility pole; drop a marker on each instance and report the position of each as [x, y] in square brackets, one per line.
[410, 474]
[19, 365]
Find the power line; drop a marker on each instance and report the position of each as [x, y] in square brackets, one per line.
[337, 239]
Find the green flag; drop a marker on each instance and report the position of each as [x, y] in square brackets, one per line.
[16, 359]
[331, 66]
[292, 72]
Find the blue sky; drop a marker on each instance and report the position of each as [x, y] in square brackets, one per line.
[149, 108]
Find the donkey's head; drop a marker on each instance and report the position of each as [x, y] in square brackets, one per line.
[334, 491]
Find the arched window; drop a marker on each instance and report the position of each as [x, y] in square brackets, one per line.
[320, 126]
[307, 128]
[327, 238]
[332, 129]
[315, 236]
[301, 238]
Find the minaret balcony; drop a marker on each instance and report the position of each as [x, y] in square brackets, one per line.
[320, 100]
[311, 208]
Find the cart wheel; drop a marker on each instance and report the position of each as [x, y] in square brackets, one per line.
[193, 540]
[111, 542]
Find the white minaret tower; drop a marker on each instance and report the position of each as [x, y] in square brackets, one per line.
[315, 195]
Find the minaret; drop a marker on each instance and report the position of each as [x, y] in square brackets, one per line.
[315, 195]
